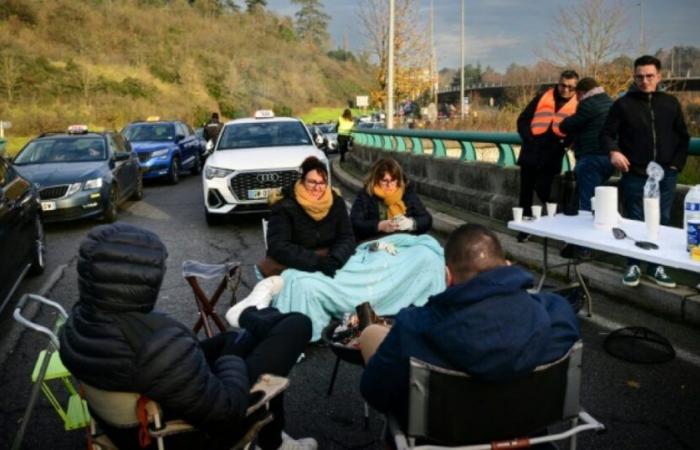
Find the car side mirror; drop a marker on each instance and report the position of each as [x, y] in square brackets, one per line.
[179, 137]
[122, 156]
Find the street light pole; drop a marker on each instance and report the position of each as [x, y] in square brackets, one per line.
[433, 61]
[641, 28]
[390, 71]
[461, 65]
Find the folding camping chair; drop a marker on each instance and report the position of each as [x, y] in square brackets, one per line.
[451, 409]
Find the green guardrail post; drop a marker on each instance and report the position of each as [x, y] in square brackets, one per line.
[400, 144]
[417, 146]
[565, 162]
[389, 143]
[506, 155]
[439, 149]
[468, 151]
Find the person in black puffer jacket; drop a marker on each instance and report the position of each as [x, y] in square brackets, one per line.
[388, 204]
[114, 341]
[309, 228]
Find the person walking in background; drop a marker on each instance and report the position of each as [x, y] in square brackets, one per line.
[544, 143]
[212, 128]
[345, 125]
[646, 125]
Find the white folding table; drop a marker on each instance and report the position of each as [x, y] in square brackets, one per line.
[580, 230]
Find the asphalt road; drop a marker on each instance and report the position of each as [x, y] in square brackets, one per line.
[643, 406]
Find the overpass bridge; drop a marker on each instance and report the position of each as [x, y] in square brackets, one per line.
[498, 90]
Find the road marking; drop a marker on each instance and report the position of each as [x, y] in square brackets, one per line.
[611, 325]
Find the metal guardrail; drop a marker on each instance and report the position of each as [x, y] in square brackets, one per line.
[411, 140]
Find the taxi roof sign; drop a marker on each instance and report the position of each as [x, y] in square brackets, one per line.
[152, 118]
[264, 114]
[77, 129]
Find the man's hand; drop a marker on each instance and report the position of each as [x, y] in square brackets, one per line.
[620, 161]
[387, 226]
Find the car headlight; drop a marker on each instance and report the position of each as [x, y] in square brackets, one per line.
[72, 189]
[95, 183]
[215, 172]
[158, 153]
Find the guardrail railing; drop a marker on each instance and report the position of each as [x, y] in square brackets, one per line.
[412, 141]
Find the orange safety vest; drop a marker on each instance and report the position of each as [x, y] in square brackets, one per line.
[545, 115]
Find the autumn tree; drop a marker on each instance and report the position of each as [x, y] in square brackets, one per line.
[10, 75]
[255, 5]
[588, 34]
[411, 49]
[312, 21]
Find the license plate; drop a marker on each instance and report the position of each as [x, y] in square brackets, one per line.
[257, 194]
[48, 206]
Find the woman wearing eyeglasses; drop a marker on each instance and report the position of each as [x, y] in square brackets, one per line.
[309, 228]
[388, 204]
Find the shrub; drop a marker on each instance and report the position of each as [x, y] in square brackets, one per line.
[165, 73]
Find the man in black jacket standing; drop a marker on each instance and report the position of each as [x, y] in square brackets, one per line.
[544, 143]
[114, 341]
[646, 125]
[212, 128]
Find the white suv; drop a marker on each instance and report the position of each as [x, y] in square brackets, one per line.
[252, 158]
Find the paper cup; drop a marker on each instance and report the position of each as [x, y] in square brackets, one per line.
[652, 218]
[536, 212]
[517, 214]
[551, 209]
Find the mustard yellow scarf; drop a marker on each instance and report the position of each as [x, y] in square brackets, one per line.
[317, 209]
[392, 200]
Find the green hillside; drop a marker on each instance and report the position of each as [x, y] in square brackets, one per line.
[107, 62]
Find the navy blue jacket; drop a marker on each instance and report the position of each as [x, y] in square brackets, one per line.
[490, 327]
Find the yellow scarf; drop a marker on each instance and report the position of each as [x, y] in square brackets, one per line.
[317, 209]
[392, 200]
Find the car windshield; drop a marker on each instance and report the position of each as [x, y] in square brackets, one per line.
[328, 128]
[263, 134]
[160, 132]
[62, 149]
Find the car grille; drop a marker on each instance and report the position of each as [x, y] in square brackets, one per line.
[144, 156]
[53, 192]
[243, 182]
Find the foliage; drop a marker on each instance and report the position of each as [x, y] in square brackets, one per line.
[312, 21]
[341, 55]
[255, 6]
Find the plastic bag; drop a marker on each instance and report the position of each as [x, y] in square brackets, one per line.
[656, 174]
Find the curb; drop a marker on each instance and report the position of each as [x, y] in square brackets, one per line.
[681, 304]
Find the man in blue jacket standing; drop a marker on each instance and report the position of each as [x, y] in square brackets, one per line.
[485, 323]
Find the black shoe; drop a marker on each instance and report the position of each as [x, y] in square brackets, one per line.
[523, 237]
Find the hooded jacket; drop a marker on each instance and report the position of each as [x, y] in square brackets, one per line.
[114, 341]
[293, 236]
[364, 214]
[584, 126]
[489, 327]
[647, 127]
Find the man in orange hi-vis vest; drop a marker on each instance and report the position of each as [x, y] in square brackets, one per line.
[544, 143]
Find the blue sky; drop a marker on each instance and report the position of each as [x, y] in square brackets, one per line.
[500, 32]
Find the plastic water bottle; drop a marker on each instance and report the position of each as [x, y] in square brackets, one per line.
[691, 209]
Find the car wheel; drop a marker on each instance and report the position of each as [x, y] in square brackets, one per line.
[213, 219]
[197, 167]
[174, 171]
[39, 253]
[138, 192]
[112, 207]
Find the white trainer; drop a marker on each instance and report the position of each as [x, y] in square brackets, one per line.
[260, 297]
[289, 443]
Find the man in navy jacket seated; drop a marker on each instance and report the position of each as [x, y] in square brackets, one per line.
[485, 323]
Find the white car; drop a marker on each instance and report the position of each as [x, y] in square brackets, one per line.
[251, 159]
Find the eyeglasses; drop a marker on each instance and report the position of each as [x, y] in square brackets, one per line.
[569, 87]
[315, 184]
[648, 76]
[388, 181]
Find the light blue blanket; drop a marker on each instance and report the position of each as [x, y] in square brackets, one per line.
[388, 282]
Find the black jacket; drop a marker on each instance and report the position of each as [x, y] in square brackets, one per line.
[293, 236]
[544, 152]
[113, 341]
[211, 130]
[584, 126]
[365, 218]
[647, 127]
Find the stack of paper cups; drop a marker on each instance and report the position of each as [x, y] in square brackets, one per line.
[606, 215]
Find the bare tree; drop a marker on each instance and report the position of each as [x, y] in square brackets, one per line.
[411, 48]
[589, 33]
[10, 74]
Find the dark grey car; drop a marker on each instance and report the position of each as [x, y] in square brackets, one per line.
[81, 175]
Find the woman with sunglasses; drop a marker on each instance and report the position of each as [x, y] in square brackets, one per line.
[388, 204]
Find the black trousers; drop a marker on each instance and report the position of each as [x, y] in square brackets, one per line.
[270, 342]
[343, 143]
[532, 180]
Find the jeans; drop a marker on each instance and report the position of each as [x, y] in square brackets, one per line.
[633, 200]
[591, 172]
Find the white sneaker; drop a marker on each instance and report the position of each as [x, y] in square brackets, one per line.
[289, 443]
[260, 297]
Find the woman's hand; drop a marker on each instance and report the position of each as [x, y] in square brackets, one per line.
[387, 226]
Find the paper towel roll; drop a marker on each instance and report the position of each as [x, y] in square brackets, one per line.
[606, 215]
